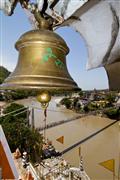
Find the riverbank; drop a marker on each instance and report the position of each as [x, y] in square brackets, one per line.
[103, 147]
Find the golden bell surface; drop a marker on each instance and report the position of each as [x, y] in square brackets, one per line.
[41, 63]
[44, 98]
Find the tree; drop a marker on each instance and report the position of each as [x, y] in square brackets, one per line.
[75, 101]
[92, 106]
[4, 73]
[1, 97]
[86, 109]
[18, 94]
[67, 102]
[113, 113]
[110, 97]
[81, 93]
[17, 108]
[19, 135]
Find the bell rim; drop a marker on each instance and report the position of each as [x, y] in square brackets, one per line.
[39, 88]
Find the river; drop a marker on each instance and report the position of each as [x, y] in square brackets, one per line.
[104, 146]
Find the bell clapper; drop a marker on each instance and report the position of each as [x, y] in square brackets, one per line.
[44, 99]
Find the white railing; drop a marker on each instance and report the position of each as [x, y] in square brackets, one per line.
[33, 172]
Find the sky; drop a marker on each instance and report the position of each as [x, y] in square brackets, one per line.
[12, 27]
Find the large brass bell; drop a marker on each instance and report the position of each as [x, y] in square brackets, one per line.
[41, 64]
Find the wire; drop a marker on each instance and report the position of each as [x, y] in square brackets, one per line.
[20, 112]
[52, 110]
[87, 138]
[12, 112]
[34, 108]
[49, 109]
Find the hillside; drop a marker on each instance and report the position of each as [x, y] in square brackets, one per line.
[4, 73]
[15, 94]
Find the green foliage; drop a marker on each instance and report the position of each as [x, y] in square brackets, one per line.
[1, 97]
[4, 73]
[75, 101]
[13, 95]
[14, 107]
[110, 97]
[18, 94]
[86, 109]
[19, 135]
[92, 106]
[67, 102]
[81, 93]
[113, 113]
